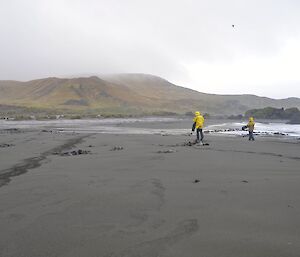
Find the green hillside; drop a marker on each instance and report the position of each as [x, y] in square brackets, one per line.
[125, 94]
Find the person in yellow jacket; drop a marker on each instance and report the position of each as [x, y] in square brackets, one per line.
[250, 127]
[198, 126]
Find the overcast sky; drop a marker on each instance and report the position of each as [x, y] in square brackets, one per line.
[190, 43]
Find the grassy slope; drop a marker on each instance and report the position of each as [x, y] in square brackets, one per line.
[123, 93]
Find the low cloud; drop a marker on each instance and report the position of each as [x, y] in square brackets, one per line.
[188, 42]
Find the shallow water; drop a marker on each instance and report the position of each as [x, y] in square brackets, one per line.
[149, 125]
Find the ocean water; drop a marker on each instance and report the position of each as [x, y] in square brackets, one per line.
[270, 128]
[151, 125]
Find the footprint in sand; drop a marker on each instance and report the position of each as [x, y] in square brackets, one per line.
[155, 247]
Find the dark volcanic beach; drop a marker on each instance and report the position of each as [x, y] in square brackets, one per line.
[147, 195]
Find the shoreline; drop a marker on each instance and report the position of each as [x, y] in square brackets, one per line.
[150, 125]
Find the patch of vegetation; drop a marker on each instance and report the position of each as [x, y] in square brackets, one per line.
[189, 114]
[272, 113]
[192, 114]
[81, 102]
[292, 114]
[295, 119]
[236, 117]
[163, 113]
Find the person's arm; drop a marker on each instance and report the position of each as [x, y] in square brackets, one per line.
[194, 126]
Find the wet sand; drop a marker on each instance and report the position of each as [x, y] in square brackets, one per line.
[142, 200]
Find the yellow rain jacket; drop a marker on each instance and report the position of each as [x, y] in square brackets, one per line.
[199, 120]
[251, 124]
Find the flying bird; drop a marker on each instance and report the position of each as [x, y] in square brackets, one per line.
[232, 25]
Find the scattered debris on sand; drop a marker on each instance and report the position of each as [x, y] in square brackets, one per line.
[5, 145]
[10, 131]
[117, 148]
[53, 131]
[72, 153]
[191, 143]
[280, 134]
[166, 151]
[47, 131]
[164, 134]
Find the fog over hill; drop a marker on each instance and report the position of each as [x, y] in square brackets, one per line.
[126, 94]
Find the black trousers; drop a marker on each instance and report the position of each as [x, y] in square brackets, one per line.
[251, 136]
[199, 131]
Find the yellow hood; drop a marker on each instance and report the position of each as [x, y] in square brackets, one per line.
[199, 120]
